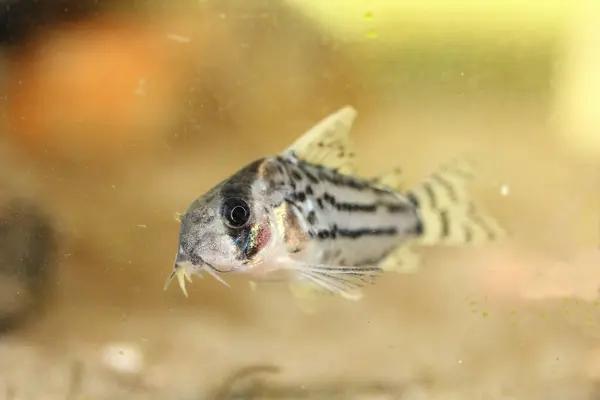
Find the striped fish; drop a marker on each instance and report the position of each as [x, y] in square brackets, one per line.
[306, 217]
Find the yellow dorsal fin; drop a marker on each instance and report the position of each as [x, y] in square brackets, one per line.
[328, 142]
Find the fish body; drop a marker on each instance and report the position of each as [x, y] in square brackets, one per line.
[306, 217]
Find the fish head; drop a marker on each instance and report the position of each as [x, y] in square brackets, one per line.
[225, 229]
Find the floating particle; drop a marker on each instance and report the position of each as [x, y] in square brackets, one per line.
[178, 38]
[140, 89]
[504, 190]
[372, 34]
[369, 15]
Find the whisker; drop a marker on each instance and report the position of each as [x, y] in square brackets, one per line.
[169, 279]
[211, 270]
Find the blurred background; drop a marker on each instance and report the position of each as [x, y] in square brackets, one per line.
[117, 114]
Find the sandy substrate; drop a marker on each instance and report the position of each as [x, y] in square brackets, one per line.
[437, 332]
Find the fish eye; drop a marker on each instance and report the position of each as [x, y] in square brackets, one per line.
[236, 212]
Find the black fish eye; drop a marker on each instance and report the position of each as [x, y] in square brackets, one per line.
[236, 212]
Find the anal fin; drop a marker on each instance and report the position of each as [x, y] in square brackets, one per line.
[403, 259]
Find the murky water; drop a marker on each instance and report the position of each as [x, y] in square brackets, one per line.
[114, 119]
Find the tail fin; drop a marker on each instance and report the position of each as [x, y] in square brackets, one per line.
[448, 214]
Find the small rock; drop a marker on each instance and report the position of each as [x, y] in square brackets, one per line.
[122, 358]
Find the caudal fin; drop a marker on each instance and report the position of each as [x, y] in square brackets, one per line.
[448, 213]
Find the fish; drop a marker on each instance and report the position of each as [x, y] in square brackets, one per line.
[307, 217]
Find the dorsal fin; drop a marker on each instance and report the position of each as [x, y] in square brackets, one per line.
[328, 142]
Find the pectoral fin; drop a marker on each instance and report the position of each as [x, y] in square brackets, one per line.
[315, 280]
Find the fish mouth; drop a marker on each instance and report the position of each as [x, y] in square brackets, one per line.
[184, 269]
[183, 272]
